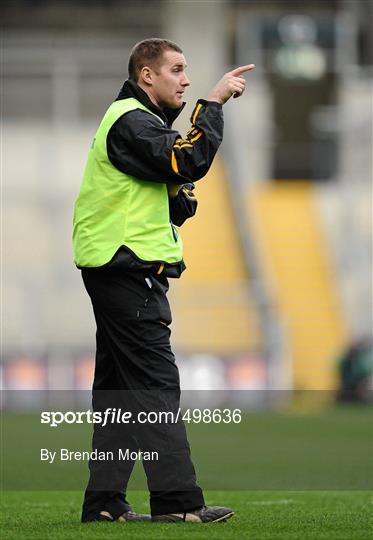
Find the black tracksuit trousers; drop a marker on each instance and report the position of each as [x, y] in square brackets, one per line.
[135, 371]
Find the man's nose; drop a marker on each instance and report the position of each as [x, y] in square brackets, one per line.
[185, 81]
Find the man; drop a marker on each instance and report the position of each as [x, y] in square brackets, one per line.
[136, 190]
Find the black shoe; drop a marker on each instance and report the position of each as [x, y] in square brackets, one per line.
[206, 514]
[123, 518]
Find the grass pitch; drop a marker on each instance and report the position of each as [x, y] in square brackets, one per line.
[267, 451]
[259, 515]
[319, 465]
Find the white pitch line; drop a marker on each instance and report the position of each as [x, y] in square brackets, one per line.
[269, 503]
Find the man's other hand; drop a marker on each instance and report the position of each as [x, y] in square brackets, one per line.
[231, 84]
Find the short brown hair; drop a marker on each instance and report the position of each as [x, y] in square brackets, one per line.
[148, 53]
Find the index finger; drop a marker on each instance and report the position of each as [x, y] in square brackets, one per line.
[242, 69]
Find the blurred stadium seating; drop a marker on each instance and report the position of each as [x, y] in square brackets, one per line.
[279, 270]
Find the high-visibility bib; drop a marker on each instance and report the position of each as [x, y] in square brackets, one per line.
[114, 209]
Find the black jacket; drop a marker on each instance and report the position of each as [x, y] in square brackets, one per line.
[139, 145]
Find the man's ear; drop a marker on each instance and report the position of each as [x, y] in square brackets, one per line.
[146, 75]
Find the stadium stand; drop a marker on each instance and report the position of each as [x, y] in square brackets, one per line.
[212, 306]
[296, 261]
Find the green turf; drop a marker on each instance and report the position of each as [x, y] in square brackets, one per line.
[328, 451]
[320, 463]
[268, 515]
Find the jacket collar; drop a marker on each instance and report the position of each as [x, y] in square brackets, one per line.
[131, 90]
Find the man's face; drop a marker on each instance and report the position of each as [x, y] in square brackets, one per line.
[169, 81]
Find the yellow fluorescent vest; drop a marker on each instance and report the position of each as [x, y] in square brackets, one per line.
[114, 209]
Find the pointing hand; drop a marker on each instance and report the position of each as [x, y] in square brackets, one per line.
[231, 84]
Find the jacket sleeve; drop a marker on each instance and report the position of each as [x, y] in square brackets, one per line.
[183, 206]
[139, 144]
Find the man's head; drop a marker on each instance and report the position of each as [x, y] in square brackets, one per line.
[158, 67]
